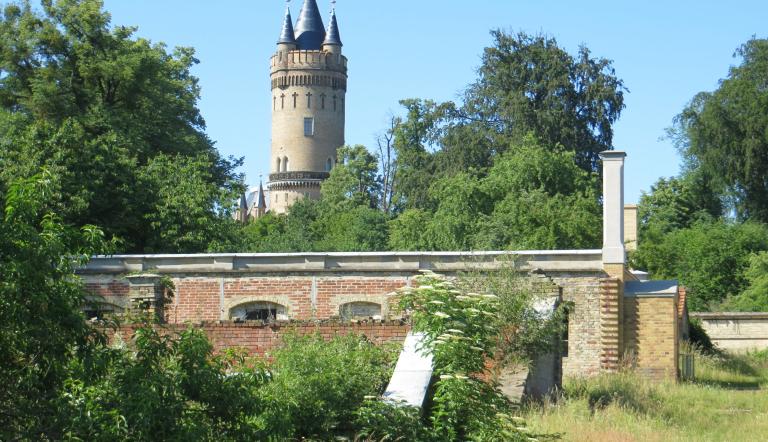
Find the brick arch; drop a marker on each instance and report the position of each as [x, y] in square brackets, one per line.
[337, 301]
[241, 301]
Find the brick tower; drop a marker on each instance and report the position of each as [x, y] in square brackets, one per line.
[309, 84]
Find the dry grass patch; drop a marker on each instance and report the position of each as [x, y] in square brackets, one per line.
[725, 402]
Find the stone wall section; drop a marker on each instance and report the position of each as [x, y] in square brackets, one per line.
[736, 332]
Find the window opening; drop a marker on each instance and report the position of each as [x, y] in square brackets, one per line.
[309, 127]
[260, 311]
[360, 310]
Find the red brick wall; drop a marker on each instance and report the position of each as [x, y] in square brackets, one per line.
[259, 339]
[111, 288]
[201, 299]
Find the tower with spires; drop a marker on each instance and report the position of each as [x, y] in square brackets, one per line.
[309, 85]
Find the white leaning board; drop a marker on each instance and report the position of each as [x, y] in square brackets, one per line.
[412, 374]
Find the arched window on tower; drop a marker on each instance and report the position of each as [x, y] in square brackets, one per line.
[328, 165]
[285, 164]
[279, 164]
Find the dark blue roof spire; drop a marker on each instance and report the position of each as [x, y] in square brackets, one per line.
[287, 35]
[333, 37]
[310, 31]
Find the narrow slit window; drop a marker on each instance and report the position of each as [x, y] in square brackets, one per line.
[309, 127]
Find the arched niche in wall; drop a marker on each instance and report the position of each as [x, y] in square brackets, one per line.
[360, 310]
[98, 309]
[259, 311]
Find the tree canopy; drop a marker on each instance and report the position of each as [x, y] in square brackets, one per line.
[114, 118]
[724, 133]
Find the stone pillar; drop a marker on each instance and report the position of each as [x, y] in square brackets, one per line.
[614, 262]
[630, 227]
[147, 295]
[613, 208]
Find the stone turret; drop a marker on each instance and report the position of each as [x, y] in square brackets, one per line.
[309, 83]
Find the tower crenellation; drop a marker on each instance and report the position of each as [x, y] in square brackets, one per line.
[309, 83]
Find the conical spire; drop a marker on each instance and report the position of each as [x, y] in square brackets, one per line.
[287, 35]
[262, 202]
[310, 31]
[242, 210]
[333, 37]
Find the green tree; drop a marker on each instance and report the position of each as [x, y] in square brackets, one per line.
[755, 297]
[725, 133]
[408, 231]
[709, 258]
[413, 135]
[182, 200]
[532, 197]
[529, 84]
[353, 181]
[41, 324]
[95, 105]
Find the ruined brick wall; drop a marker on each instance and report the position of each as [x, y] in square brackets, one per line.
[208, 288]
[259, 339]
[651, 335]
[583, 322]
[210, 298]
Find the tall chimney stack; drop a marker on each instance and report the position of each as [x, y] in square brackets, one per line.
[613, 208]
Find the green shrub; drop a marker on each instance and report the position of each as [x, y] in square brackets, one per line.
[380, 420]
[317, 385]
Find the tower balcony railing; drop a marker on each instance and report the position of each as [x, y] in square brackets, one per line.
[284, 176]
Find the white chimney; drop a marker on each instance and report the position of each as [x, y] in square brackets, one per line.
[613, 207]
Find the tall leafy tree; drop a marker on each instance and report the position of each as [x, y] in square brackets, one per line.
[725, 133]
[95, 105]
[530, 84]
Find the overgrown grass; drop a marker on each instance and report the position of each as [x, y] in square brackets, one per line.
[724, 403]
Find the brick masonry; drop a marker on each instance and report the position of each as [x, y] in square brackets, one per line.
[259, 339]
[651, 331]
[313, 287]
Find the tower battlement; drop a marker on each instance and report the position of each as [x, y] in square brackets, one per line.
[300, 59]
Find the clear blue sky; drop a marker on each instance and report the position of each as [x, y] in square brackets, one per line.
[665, 51]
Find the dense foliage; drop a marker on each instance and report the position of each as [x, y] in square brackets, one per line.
[114, 119]
[532, 197]
[709, 258]
[707, 227]
[463, 330]
[41, 326]
[725, 133]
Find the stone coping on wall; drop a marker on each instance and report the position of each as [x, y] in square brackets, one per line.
[547, 260]
[651, 289]
[716, 316]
